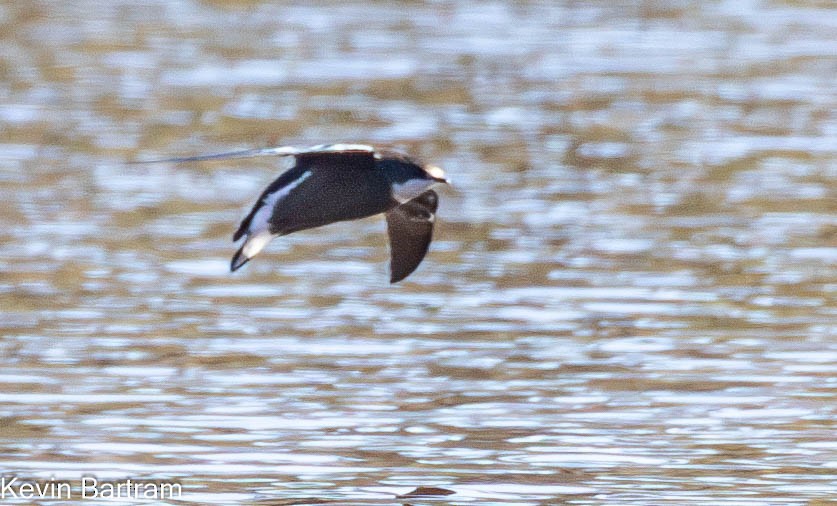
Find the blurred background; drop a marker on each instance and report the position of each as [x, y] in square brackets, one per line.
[630, 297]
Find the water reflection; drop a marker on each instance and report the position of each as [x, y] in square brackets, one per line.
[628, 299]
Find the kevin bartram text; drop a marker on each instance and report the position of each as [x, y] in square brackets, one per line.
[87, 487]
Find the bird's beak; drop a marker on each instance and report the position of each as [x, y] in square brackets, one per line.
[437, 174]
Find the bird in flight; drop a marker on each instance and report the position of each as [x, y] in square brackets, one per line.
[339, 182]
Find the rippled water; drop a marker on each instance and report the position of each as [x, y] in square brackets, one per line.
[630, 298]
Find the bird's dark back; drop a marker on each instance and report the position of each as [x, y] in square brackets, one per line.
[341, 187]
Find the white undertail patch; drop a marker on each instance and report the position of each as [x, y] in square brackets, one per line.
[255, 243]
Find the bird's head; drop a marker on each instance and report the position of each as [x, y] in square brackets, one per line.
[408, 178]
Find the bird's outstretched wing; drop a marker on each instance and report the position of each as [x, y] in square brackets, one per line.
[410, 228]
[275, 151]
[322, 156]
[230, 155]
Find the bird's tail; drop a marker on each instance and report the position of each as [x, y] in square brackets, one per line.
[253, 244]
[238, 260]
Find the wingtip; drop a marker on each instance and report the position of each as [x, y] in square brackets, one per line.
[398, 273]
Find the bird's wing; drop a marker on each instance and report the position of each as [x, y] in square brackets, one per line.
[320, 157]
[308, 162]
[410, 228]
[230, 155]
[274, 151]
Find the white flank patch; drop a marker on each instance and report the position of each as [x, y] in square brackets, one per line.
[272, 199]
[258, 234]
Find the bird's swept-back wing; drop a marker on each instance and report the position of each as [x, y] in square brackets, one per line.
[275, 151]
[313, 158]
[410, 228]
[230, 155]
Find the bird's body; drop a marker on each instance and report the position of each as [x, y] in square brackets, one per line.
[340, 182]
[344, 186]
